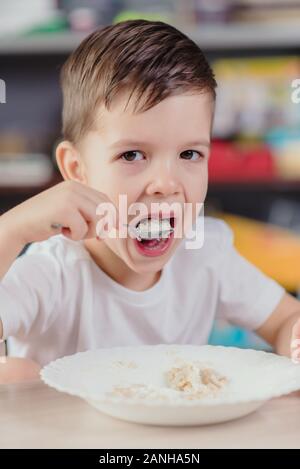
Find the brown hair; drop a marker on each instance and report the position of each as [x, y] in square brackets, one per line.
[150, 58]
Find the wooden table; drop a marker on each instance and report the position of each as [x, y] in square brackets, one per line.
[33, 415]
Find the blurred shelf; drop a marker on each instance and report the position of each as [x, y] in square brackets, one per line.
[60, 43]
[237, 186]
[247, 35]
[262, 186]
[10, 191]
[228, 186]
[228, 36]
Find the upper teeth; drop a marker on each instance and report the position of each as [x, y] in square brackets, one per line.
[152, 228]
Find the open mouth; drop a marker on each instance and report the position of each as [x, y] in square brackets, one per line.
[154, 235]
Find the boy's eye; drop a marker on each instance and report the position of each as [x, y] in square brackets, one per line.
[191, 155]
[131, 155]
[135, 155]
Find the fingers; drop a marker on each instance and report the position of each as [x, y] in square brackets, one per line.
[295, 342]
[103, 206]
[100, 222]
[76, 227]
[82, 220]
[80, 211]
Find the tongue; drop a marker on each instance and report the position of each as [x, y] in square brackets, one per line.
[151, 243]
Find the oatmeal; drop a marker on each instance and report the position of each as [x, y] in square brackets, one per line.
[186, 380]
[124, 364]
[195, 380]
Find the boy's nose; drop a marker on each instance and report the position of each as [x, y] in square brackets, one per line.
[164, 180]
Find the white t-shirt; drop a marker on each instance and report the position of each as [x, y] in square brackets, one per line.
[56, 301]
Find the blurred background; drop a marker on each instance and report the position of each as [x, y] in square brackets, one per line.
[254, 48]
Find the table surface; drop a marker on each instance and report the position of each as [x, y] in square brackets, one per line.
[33, 415]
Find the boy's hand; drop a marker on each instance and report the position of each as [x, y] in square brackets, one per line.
[295, 342]
[16, 370]
[69, 204]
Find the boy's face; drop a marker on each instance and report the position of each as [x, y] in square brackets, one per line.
[163, 160]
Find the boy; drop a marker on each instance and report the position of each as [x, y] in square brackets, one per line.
[138, 109]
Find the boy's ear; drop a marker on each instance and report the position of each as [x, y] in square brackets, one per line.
[69, 162]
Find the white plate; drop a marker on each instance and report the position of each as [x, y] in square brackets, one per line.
[254, 377]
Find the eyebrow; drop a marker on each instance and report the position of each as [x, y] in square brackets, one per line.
[133, 143]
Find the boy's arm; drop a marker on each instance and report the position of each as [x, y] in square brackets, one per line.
[71, 204]
[10, 247]
[283, 326]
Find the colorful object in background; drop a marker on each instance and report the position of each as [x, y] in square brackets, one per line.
[216, 11]
[85, 15]
[151, 10]
[285, 145]
[254, 95]
[255, 104]
[17, 17]
[137, 15]
[237, 161]
[228, 335]
[267, 12]
[275, 251]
